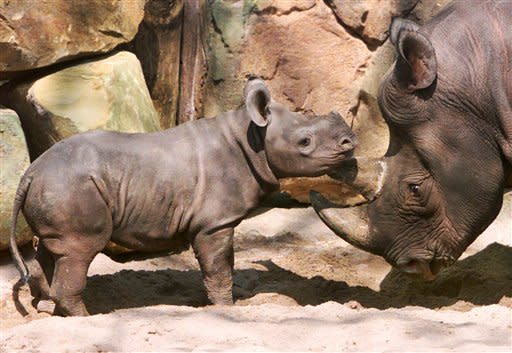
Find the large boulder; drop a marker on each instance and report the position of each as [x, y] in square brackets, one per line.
[108, 93]
[34, 34]
[14, 160]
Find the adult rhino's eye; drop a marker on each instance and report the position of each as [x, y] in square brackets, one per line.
[306, 141]
[414, 189]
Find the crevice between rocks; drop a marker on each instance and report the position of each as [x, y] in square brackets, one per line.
[217, 30]
[111, 33]
[371, 44]
[272, 10]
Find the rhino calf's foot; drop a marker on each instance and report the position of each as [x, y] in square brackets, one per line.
[45, 306]
[220, 299]
[219, 290]
[71, 306]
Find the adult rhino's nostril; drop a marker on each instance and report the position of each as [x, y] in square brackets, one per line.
[417, 268]
[436, 265]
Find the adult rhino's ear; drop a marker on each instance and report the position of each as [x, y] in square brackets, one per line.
[257, 101]
[416, 66]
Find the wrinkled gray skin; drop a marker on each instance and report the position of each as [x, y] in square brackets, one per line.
[157, 191]
[447, 101]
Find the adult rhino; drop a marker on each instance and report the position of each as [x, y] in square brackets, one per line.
[447, 101]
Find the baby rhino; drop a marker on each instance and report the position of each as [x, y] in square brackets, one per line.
[154, 192]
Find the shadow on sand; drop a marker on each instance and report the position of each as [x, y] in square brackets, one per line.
[481, 279]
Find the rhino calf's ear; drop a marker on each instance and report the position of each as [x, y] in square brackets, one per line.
[257, 101]
[416, 66]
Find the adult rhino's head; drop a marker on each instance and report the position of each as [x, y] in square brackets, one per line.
[441, 181]
[296, 145]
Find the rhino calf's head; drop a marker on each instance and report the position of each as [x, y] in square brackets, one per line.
[296, 145]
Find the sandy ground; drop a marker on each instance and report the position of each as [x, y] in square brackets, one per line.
[297, 287]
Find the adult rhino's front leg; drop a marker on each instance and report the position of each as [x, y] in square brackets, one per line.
[216, 257]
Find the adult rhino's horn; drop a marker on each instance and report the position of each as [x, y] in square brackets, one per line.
[365, 175]
[350, 224]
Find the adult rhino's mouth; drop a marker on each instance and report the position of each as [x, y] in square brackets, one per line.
[419, 268]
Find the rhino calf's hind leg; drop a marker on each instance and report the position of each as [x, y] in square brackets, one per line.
[216, 259]
[69, 280]
[41, 272]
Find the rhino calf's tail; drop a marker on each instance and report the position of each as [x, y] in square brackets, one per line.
[20, 264]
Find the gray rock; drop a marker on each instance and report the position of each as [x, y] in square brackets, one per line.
[14, 160]
[109, 94]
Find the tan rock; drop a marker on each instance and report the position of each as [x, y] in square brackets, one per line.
[14, 160]
[367, 121]
[298, 189]
[34, 34]
[308, 60]
[280, 7]
[106, 94]
[365, 116]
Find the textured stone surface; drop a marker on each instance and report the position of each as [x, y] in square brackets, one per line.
[308, 60]
[157, 45]
[14, 161]
[34, 34]
[370, 19]
[109, 94]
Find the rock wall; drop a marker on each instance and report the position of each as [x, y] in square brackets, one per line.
[65, 67]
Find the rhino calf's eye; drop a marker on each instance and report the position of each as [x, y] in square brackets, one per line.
[306, 141]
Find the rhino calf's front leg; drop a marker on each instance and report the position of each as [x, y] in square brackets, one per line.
[214, 251]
